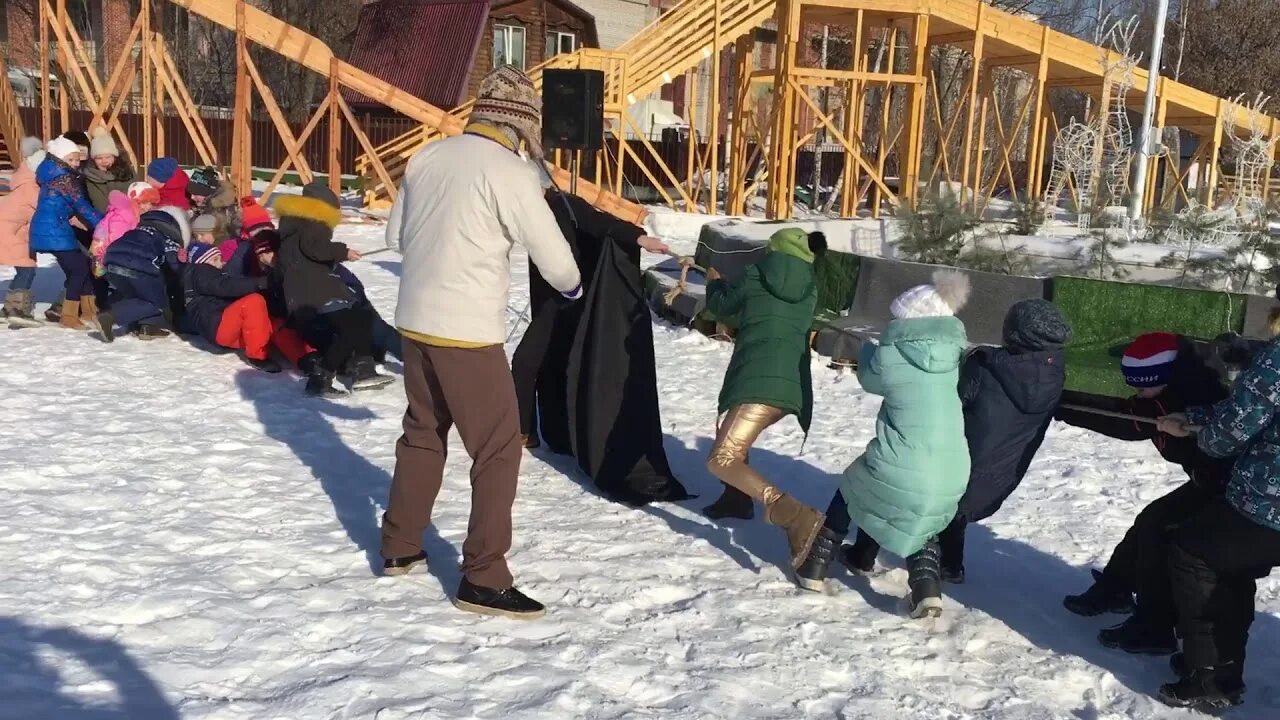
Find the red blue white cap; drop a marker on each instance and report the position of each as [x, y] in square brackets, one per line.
[1148, 361]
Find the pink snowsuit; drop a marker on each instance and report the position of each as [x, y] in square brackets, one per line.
[120, 218]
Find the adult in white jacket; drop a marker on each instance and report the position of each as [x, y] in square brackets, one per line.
[463, 204]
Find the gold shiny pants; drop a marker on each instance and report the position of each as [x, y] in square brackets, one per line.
[738, 431]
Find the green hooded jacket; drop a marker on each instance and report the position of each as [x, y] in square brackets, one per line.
[905, 488]
[774, 302]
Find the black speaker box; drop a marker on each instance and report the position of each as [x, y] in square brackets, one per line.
[572, 109]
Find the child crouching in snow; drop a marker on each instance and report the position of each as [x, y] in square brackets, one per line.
[321, 306]
[906, 487]
[139, 268]
[768, 378]
[123, 212]
[227, 310]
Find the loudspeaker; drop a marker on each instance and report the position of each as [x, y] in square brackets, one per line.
[572, 109]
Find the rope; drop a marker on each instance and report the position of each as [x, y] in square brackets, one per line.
[682, 285]
[1118, 415]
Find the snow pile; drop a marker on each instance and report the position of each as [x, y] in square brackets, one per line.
[183, 537]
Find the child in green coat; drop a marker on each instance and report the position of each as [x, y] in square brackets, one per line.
[768, 377]
[906, 487]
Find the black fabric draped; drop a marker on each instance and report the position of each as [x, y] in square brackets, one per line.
[597, 388]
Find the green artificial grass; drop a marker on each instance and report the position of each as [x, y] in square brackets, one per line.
[1105, 317]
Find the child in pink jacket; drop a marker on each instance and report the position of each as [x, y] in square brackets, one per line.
[122, 216]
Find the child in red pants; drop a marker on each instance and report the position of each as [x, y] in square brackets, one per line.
[227, 309]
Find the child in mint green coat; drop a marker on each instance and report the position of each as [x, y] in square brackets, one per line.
[906, 487]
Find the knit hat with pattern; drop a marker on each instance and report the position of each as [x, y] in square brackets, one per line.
[1148, 361]
[507, 99]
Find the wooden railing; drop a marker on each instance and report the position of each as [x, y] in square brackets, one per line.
[10, 121]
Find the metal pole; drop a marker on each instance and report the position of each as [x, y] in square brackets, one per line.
[1136, 195]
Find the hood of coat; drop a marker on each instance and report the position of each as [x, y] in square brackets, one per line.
[22, 177]
[51, 169]
[121, 203]
[1032, 381]
[120, 172]
[304, 208]
[786, 277]
[224, 198]
[932, 344]
[169, 219]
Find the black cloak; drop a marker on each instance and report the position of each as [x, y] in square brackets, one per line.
[597, 386]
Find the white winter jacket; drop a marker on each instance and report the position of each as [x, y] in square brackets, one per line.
[463, 203]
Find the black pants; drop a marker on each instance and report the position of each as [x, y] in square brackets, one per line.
[340, 336]
[950, 540]
[526, 363]
[75, 265]
[1140, 563]
[1214, 561]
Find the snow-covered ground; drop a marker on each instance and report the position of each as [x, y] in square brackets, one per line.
[183, 537]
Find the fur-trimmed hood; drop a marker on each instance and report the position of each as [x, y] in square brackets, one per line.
[305, 208]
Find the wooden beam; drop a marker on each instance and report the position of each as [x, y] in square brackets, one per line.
[974, 75]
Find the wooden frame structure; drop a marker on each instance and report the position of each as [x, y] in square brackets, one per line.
[146, 68]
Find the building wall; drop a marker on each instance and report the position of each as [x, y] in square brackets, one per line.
[537, 17]
[617, 21]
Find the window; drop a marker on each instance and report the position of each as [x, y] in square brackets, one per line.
[559, 43]
[508, 46]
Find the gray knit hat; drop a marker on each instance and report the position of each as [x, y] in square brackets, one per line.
[1035, 324]
[508, 100]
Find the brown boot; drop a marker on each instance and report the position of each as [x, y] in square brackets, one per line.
[70, 317]
[799, 521]
[89, 310]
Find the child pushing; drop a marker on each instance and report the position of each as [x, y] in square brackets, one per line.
[226, 309]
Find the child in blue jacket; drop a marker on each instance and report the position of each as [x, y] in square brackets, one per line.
[62, 198]
[140, 267]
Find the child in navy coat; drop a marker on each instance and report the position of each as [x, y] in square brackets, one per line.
[140, 267]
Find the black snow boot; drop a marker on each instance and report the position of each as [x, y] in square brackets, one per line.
[509, 603]
[150, 332]
[924, 577]
[1136, 637]
[1207, 689]
[860, 557]
[732, 503]
[812, 573]
[320, 384]
[365, 375]
[54, 313]
[1100, 598]
[266, 365]
[309, 363]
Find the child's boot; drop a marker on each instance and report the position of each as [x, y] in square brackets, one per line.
[70, 315]
[924, 577]
[1137, 637]
[812, 573]
[54, 313]
[1209, 689]
[19, 309]
[89, 310]
[733, 503]
[320, 384]
[1101, 597]
[860, 557]
[365, 375]
[799, 521]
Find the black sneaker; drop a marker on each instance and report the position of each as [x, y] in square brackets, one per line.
[812, 573]
[1100, 598]
[732, 504]
[107, 326]
[953, 575]
[860, 557]
[401, 566]
[1207, 689]
[509, 603]
[1136, 637]
[266, 365]
[150, 332]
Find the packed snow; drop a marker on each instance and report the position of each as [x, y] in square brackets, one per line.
[183, 537]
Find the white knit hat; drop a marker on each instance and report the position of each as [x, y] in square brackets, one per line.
[30, 146]
[63, 148]
[102, 144]
[943, 298]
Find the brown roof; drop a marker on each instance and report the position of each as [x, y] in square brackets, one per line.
[424, 47]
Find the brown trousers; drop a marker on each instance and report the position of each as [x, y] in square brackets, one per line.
[470, 388]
